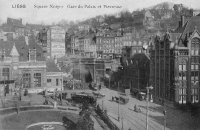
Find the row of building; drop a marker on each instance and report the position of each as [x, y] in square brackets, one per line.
[173, 62]
[107, 44]
[50, 38]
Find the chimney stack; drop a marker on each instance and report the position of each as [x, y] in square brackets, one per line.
[32, 55]
[26, 40]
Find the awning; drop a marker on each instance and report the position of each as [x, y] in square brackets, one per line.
[7, 81]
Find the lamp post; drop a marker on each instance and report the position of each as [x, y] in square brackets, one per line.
[147, 111]
[118, 105]
[138, 74]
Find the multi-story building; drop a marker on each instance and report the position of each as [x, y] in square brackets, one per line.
[56, 41]
[175, 64]
[16, 26]
[90, 46]
[187, 62]
[23, 62]
[105, 42]
[118, 45]
[162, 68]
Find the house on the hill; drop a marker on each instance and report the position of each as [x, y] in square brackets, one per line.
[143, 18]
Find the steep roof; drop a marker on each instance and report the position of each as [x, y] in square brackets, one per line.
[190, 26]
[14, 51]
[22, 48]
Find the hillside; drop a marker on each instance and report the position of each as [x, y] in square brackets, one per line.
[164, 16]
[163, 5]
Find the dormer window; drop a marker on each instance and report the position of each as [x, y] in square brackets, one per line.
[32, 54]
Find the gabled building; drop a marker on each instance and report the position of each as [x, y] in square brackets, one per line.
[23, 63]
[175, 64]
[187, 63]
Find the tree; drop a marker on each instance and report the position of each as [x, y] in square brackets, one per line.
[85, 122]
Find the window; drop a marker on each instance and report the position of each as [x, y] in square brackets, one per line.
[48, 80]
[184, 75]
[57, 82]
[180, 67]
[37, 79]
[192, 52]
[196, 52]
[184, 91]
[26, 79]
[194, 96]
[192, 67]
[180, 91]
[197, 67]
[5, 73]
[196, 76]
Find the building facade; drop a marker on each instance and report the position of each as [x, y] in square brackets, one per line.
[162, 68]
[56, 41]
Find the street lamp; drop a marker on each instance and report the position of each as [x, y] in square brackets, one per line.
[147, 99]
[138, 75]
[118, 104]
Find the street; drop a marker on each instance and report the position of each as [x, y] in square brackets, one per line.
[129, 119]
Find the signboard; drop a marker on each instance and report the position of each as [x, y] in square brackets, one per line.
[7, 82]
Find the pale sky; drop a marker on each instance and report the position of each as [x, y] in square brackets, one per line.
[49, 15]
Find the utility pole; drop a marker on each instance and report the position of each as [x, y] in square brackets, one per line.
[138, 75]
[73, 76]
[147, 108]
[61, 88]
[164, 113]
[122, 124]
[118, 105]
[147, 111]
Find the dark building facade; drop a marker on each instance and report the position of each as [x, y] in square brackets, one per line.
[187, 63]
[175, 64]
[162, 68]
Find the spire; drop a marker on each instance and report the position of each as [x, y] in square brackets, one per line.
[14, 51]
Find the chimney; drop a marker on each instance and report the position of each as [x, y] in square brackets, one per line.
[182, 20]
[32, 55]
[26, 40]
